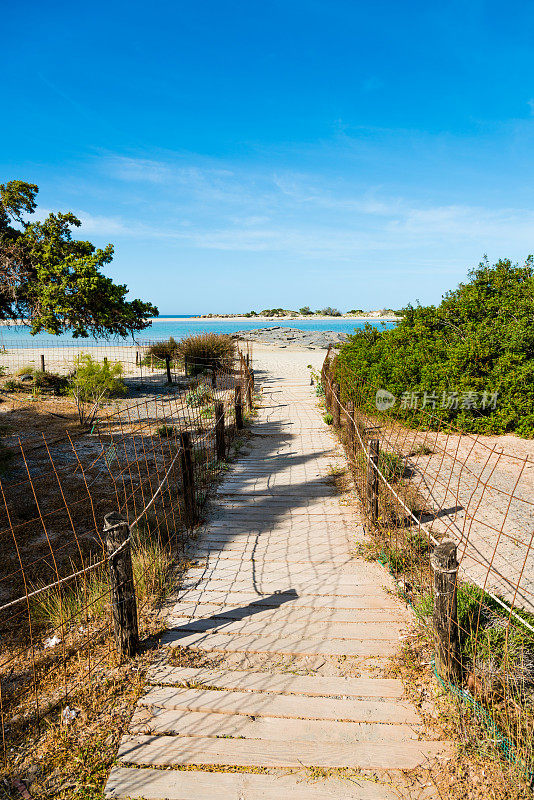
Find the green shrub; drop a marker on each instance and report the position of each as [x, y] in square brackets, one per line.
[164, 353]
[200, 396]
[328, 418]
[480, 339]
[12, 385]
[166, 431]
[27, 370]
[50, 382]
[206, 351]
[391, 465]
[92, 383]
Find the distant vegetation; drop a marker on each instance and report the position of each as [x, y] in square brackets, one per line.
[306, 311]
[476, 346]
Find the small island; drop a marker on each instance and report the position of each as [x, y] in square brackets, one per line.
[306, 313]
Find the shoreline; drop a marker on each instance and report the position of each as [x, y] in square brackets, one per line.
[237, 318]
[259, 319]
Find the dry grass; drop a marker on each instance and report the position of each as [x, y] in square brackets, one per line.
[476, 770]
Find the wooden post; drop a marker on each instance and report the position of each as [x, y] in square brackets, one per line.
[220, 444]
[42, 363]
[336, 408]
[249, 391]
[188, 477]
[350, 425]
[372, 479]
[213, 377]
[238, 407]
[446, 634]
[328, 392]
[123, 603]
[137, 358]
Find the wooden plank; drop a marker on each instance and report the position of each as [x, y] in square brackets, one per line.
[323, 574]
[269, 644]
[278, 705]
[281, 683]
[157, 784]
[201, 723]
[167, 751]
[265, 586]
[287, 627]
[291, 612]
[270, 599]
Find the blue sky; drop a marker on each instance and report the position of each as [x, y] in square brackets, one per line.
[245, 155]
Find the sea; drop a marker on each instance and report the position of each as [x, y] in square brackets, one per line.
[180, 325]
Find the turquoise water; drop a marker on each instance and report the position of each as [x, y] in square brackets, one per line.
[163, 327]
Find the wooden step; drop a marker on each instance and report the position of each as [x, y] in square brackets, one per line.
[321, 573]
[202, 723]
[165, 751]
[311, 588]
[371, 631]
[289, 612]
[280, 683]
[275, 599]
[279, 705]
[275, 644]
[157, 784]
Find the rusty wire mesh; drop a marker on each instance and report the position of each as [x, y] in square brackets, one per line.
[55, 614]
[430, 482]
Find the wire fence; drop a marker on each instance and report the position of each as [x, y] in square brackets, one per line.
[142, 371]
[154, 462]
[423, 482]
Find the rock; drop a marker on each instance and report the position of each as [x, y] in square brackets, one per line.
[284, 336]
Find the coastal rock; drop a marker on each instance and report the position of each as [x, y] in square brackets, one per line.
[282, 337]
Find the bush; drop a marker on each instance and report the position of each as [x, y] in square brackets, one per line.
[206, 351]
[391, 465]
[164, 353]
[200, 396]
[166, 431]
[12, 385]
[50, 382]
[329, 312]
[92, 383]
[480, 339]
[328, 418]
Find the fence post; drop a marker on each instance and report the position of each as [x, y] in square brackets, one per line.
[123, 603]
[188, 476]
[249, 391]
[372, 478]
[336, 408]
[238, 407]
[42, 363]
[446, 634]
[213, 378]
[350, 425]
[220, 444]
